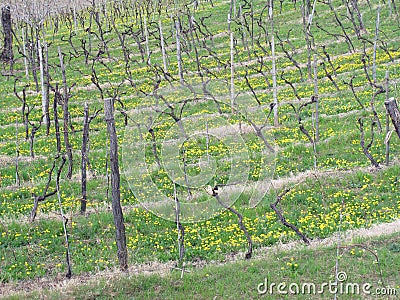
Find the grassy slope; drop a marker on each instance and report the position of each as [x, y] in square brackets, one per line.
[239, 280]
[37, 250]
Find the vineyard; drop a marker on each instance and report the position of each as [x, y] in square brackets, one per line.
[183, 134]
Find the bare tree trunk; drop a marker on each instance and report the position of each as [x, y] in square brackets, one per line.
[375, 44]
[316, 99]
[180, 228]
[154, 146]
[32, 58]
[34, 129]
[366, 148]
[65, 221]
[7, 54]
[394, 113]
[274, 84]
[85, 155]
[360, 21]
[25, 55]
[232, 86]
[283, 219]
[44, 86]
[232, 57]
[75, 18]
[56, 124]
[66, 116]
[17, 179]
[242, 226]
[244, 37]
[190, 195]
[394, 7]
[306, 19]
[47, 84]
[164, 56]
[178, 50]
[115, 183]
[146, 32]
[85, 138]
[45, 194]
[25, 110]
[388, 133]
[108, 179]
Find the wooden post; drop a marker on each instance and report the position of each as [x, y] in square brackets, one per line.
[75, 18]
[164, 55]
[316, 98]
[17, 179]
[55, 113]
[47, 84]
[375, 45]
[232, 56]
[66, 115]
[25, 55]
[44, 87]
[388, 132]
[394, 113]
[232, 72]
[178, 50]
[85, 139]
[32, 57]
[306, 18]
[115, 184]
[146, 32]
[7, 54]
[274, 84]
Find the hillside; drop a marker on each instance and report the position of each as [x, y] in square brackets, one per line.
[221, 109]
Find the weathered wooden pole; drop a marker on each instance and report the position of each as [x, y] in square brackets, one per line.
[394, 113]
[7, 53]
[68, 146]
[85, 139]
[115, 184]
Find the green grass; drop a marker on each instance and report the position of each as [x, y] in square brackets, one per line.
[36, 250]
[312, 206]
[246, 279]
